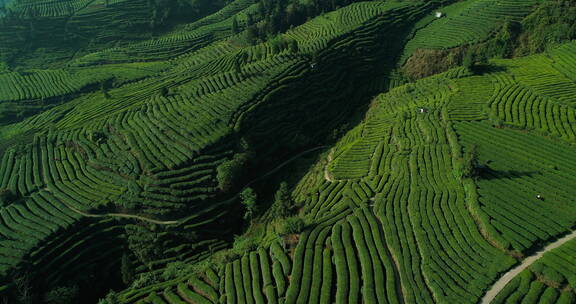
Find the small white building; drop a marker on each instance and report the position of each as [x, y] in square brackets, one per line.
[439, 14]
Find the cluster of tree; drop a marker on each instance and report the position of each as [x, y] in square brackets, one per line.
[552, 23]
[147, 242]
[503, 43]
[144, 242]
[293, 225]
[166, 12]
[62, 295]
[280, 15]
[228, 172]
[281, 208]
[25, 292]
[474, 59]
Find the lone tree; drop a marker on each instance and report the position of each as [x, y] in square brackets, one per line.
[293, 225]
[127, 270]
[470, 166]
[474, 60]
[249, 197]
[293, 45]
[228, 172]
[282, 202]
[164, 92]
[105, 90]
[6, 196]
[235, 29]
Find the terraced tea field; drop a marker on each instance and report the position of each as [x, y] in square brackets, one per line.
[396, 222]
[228, 157]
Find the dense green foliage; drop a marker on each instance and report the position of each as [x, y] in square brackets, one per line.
[249, 198]
[62, 295]
[552, 23]
[282, 206]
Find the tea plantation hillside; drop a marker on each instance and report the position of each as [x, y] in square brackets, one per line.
[268, 151]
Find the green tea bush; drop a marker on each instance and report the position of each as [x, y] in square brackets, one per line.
[293, 224]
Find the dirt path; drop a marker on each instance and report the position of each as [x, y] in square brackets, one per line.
[124, 215]
[512, 273]
[177, 221]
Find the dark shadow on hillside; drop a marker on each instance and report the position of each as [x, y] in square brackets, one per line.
[489, 68]
[486, 173]
[292, 173]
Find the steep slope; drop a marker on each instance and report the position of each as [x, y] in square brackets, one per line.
[401, 219]
[131, 150]
[149, 143]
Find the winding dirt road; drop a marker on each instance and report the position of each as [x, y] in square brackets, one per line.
[512, 273]
[123, 215]
[177, 221]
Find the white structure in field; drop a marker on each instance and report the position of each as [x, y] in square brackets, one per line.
[439, 14]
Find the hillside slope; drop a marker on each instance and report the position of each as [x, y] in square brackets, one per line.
[394, 216]
[224, 157]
